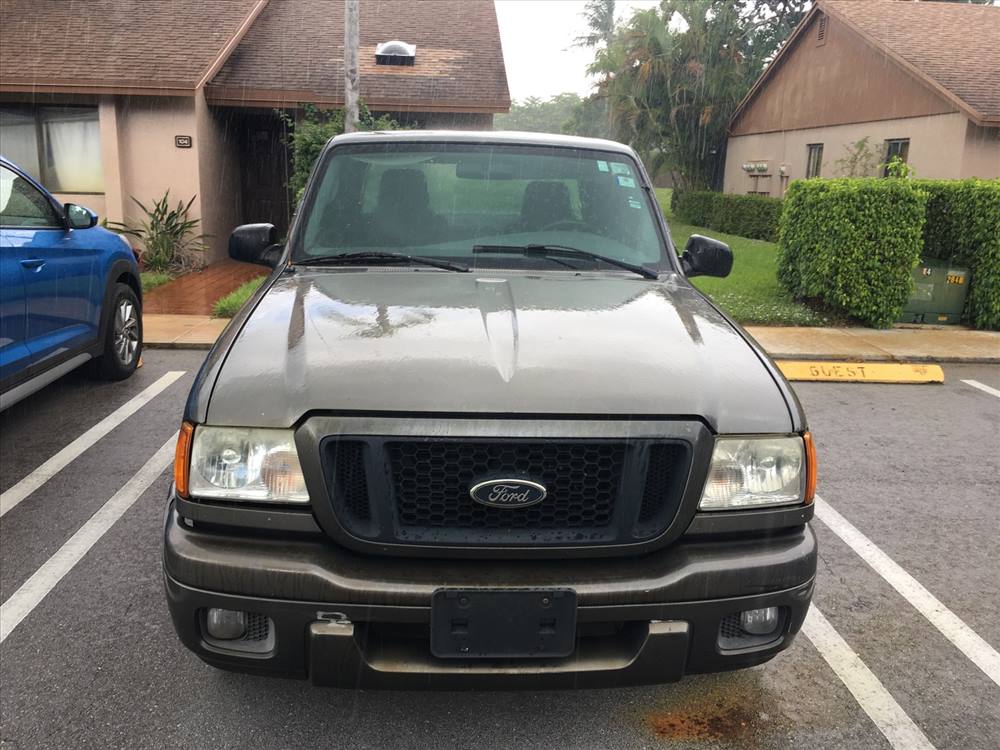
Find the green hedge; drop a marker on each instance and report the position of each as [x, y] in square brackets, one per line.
[963, 225]
[852, 243]
[753, 216]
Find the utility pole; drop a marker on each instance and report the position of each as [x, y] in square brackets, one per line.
[351, 79]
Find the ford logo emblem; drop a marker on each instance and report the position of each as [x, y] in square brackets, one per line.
[508, 493]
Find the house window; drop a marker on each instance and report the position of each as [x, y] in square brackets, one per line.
[814, 162]
[896, 147]
[58, 146]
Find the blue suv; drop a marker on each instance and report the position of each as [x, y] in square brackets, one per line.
[69, 291]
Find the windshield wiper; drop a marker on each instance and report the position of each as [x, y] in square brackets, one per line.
[564, 251]
[376, 256]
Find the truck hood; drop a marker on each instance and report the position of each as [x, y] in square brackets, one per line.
[406, 341]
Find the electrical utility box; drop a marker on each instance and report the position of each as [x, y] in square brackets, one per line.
[939, 290]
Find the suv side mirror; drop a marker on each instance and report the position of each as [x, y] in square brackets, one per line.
[78, 217]
[255, 243]
[704, 256]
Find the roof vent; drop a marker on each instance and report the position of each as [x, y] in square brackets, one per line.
[821, 30]
[395, 53]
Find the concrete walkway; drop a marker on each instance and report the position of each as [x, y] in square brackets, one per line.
[181, 331]
[901, 344]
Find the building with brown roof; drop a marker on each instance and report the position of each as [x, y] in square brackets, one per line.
[123, 99]
[861, 81]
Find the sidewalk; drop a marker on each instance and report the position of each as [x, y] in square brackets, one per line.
[909, 344]
[901, 344]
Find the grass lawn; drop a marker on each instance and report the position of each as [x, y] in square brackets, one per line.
[229, 305]
[153, 279]
[751, 294]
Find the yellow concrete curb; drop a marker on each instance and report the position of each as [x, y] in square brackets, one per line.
[861, 372]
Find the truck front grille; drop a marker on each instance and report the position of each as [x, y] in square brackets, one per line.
[432, 480]
[416, 491]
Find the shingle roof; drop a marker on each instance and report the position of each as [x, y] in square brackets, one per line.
[955, 47]
[294, 51]
[115, 44]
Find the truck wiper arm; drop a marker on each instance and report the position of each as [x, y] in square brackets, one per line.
[564, 251]
[377, 256]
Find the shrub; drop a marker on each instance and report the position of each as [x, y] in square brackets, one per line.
[694, 207]
[852, 243]
[963, 226]
[309, 134]
[753, 216]
[168, 236]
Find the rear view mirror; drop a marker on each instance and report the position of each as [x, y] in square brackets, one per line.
[704, 256]
[255, 243]
[78, 217]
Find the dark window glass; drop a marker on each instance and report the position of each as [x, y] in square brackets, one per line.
[21, 205]
[814, 164]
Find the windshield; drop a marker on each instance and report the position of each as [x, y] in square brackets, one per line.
[442, 200]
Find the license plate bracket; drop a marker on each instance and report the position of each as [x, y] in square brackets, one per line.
[508, 623]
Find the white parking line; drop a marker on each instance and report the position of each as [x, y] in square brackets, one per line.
[43, 580]
[983, 387]
[67, 455]
[964, 638]
[868, 691]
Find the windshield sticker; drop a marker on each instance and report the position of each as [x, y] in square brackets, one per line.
[625, 182]
[618, 168]
[602, 166]
[634, 203]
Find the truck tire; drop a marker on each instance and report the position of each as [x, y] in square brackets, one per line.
[122, 337]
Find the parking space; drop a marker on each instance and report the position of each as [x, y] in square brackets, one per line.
[95, 663]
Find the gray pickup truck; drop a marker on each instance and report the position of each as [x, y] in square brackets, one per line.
[477, 429]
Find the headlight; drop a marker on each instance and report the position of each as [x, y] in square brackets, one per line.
[250, 464]
[754, 473]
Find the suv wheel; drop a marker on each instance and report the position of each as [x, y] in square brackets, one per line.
[123, 338]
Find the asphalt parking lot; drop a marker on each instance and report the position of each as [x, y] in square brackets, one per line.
[900, 650]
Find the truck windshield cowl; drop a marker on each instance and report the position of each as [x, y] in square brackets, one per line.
[438, 201]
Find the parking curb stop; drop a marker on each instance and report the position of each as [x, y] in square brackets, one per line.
[860, 372]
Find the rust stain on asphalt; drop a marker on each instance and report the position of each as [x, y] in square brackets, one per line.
[729, 710]
[717, 722]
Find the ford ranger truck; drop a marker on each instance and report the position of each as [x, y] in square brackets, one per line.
[478, 429]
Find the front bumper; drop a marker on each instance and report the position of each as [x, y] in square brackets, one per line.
[342, 618]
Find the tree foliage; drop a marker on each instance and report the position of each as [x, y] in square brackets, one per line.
[673, 76]
[539, 115]
[309, 133]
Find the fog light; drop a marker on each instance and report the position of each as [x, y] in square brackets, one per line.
[226, 624]
[759, 621]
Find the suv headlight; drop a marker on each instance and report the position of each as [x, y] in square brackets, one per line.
[756, 473]
[246, 463]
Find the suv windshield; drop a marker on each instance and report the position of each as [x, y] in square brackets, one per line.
[443, 200]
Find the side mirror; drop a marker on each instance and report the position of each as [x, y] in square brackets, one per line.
[704, 256]
[78, 217]
[255, 243]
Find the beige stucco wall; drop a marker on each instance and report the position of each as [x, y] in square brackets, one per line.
[150, 164]
[982, 152]
[939, 149]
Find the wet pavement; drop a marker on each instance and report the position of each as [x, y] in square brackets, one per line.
[911, 467]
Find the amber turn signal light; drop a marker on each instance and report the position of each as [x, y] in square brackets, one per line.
[810, 467]
[182, 458]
